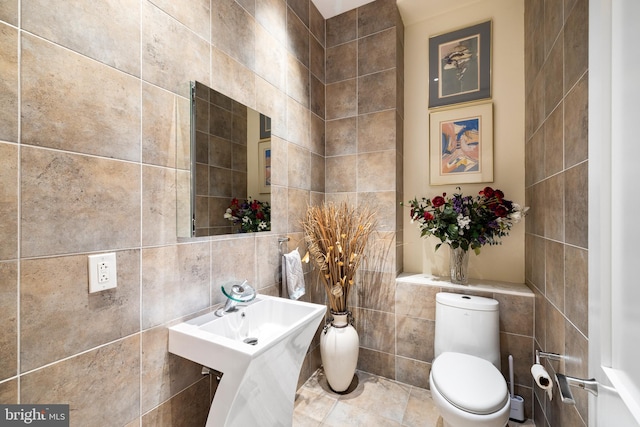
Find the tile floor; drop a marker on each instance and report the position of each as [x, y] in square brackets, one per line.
[373, 401]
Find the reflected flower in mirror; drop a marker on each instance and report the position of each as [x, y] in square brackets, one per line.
[249, 215]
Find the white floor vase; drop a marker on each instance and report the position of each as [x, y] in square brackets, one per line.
[339, 348]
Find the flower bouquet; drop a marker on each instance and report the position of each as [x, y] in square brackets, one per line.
[467, 222]
[250, 215]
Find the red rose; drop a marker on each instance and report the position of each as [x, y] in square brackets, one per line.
[488, 192]
[501, 211]
[427, 216]
[499, 194]
[438, 201]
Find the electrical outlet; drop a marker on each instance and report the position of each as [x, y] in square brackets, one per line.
[102, 272]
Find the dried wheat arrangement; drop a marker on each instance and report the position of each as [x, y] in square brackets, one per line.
[337, 236]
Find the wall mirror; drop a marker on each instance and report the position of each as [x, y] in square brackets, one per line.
[229, 181]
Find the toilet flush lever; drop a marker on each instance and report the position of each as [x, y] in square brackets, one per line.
[565, 383]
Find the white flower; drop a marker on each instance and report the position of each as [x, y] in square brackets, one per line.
[463, 221]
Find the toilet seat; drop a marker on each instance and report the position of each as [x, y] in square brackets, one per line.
[469, 383]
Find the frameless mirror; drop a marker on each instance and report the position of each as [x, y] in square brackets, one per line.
[228, 187]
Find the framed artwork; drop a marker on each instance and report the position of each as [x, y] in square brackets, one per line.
[460, 66]
[265, 127]
[461, 145]
[264, 164]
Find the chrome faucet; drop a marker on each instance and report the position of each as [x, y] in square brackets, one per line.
[239, 294]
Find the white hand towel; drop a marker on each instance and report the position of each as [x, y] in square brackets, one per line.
[292, 275]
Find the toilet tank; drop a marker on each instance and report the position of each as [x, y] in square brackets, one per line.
[467, 324]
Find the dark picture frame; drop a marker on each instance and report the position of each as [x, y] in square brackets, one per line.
[460, 66]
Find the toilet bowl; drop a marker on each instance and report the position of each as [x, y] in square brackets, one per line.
[469, 391]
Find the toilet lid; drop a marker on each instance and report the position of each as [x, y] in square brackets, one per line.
[469, 383]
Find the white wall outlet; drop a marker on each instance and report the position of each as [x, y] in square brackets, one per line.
[102, 272]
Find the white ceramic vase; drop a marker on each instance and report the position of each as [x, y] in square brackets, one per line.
[339, 348]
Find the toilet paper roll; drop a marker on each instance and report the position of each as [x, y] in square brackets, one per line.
[542, 378]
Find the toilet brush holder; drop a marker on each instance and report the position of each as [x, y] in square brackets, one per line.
[517, 409]
[517, 402]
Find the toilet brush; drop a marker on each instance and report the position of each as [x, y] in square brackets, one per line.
[517, 402]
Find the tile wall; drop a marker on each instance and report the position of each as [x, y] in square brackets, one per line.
[364, 121]
[556, 61]
[94, 122]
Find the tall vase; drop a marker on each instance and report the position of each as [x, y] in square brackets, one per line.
[339, 348]
[458, 265]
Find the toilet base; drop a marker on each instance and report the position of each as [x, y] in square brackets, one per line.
[454, 417]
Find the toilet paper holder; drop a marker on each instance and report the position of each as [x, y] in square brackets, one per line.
[545, 355]
[565, 382]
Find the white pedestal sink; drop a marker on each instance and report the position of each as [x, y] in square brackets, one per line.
[259, 379]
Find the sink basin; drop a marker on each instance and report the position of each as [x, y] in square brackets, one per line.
[259, 348]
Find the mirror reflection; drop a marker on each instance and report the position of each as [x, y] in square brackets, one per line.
[230, 175]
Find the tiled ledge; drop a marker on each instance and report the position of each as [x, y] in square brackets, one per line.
[505, 288]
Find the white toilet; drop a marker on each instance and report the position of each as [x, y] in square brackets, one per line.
[466, 384]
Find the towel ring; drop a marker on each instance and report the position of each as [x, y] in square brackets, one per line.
[282, 240]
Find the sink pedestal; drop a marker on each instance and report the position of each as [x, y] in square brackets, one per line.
[259, 381]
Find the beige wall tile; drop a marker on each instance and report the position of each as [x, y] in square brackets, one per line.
[232, 78]
[553, 202]
[74, 203]
[576, 123]
[9, 12]
[377, 362]
[9, 320]
[109, 31]
[318, 99]
[377, 52]
[225, 267]
[317, 58]
[377, 91]
[341, 174]
[299, 167]
[376, 16]
[341, 99]
[59, 317]
[376, 171]
[553, 142]
[342, 62]
[158, 206]
[8, 80]
[186, 409]
[317, 24]
[416, 301]
[298, 84]
[233, 30]
[9, 392]
[577, 286]
[415, 338]
[576, 205]
[554, 273]
[342, 28]
[317, 173]
[576, 43]
[298, 117]
[175, 282]
[552, 72]
[377, 330]
[376, 290]
[72, 103]
[163, 374]
[8, 201]
[165, 128]
[272, 15]
[516, 313]
[106, 374]
[196, 17]
[171, 54]
[415, 373]
[341, 136]
[377, 131]
[271, 59]
[297, 38]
